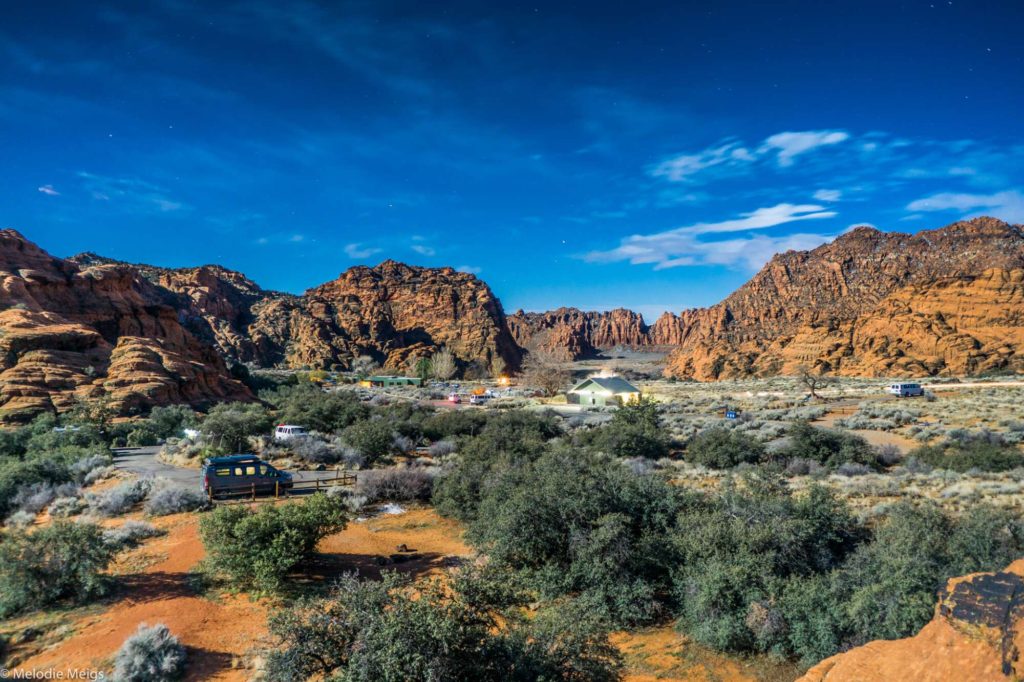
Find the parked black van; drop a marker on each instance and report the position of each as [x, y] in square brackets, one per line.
[237, 474]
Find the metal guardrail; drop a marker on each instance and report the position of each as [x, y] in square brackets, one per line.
[254, 491]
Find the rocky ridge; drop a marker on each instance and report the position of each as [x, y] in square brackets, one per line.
[939, 302]
[573, 334]
[70, 332]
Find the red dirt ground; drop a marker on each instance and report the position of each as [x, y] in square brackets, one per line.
[219, 633]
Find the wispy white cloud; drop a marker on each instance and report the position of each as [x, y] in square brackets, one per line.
[295, 238]
[470, 269]
[358, 251]
[732, 154]
[423, 249]
[49, 190]
[130, 193]
[683, 246]
[682, 167]
[792, 144]
[1007, 205]
[828, 195]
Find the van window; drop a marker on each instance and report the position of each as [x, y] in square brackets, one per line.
[264, 470]
[250, 471]
[223, 472]
[238, 471]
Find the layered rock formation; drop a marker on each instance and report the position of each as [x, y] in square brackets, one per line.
[946, 301]
[391, 313]
[976, 635]
[69, 332]
[572, 334]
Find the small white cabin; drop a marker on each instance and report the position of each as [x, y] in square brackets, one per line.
[601, 391]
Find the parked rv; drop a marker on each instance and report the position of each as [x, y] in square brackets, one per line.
[288, 431]
[906, 390]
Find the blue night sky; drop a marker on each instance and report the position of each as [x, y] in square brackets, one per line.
[641, 154]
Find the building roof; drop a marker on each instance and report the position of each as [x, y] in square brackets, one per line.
[612, 385]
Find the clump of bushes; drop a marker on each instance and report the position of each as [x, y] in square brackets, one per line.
[752, 567]
[985, 452]
[316, 449]
[152, 654]
[120, 499]
[168, 498]
[827, 447]
[635, 430]
[393, 629]
[60, 562]
[396, 484]
[229, 426]
[130, 534]
[373, 439]
[721, 448]
[258, 548]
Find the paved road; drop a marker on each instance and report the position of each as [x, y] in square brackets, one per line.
[143, 462]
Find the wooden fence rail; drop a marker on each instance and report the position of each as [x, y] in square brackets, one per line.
[253, 491]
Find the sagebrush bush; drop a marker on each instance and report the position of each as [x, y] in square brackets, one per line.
[152, 654]
[169, 498]
[441, 448]
[257, 548]
[20, 519]
[120, 499]
[63, 507]
[35, 497]
[90, 469]
[130, 533]
[397, 484]
[63, 561]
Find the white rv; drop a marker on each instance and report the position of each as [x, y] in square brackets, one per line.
[906, 390]
[287, 432]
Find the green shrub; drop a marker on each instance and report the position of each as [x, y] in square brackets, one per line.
[307, 405]
[394, 629]
[452, 423]
[970, 454]
[738, 546]
[229, 426]
[373, 438]
[507, 441]
[61, 562]
[722, 448]
[258, 548]
[825, 446]
[572, 522]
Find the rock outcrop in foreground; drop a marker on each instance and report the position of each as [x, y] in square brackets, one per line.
[976, 635]
[69, 332]
[940, 302]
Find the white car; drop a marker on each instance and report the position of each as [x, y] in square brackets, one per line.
[288, 432]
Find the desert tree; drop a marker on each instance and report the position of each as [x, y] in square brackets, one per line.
[363, 366]
[497, 367]
[815, 380]
[442, 365]
[543, 372]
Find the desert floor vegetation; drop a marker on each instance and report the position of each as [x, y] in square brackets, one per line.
[530, 542]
